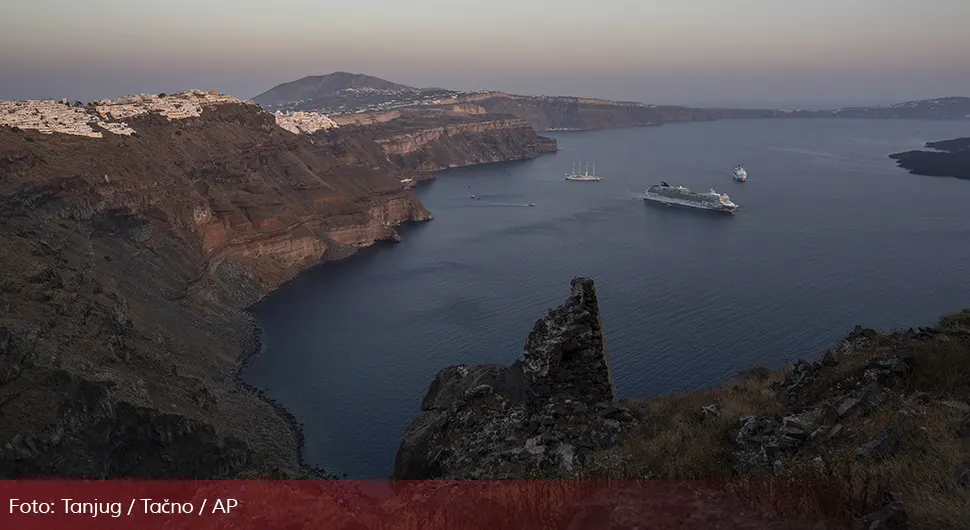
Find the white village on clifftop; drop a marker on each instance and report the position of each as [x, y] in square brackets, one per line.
[303, 122]
[49, 116]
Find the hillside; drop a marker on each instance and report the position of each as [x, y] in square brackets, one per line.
[948, 108]
[325, 90]
[131, 250]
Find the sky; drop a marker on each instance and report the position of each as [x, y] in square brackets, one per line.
[698, 52]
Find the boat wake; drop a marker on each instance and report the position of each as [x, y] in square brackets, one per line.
[489, 204]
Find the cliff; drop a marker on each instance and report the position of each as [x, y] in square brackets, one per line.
[873, 434]
[434, 142]
[129, 261]
[572, 113]
[948, 158]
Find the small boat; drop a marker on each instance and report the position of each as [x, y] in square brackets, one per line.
[474, 197]
[531, 204]
[740, 174]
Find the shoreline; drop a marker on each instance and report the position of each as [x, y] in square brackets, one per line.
[255, 332]
[254, 349]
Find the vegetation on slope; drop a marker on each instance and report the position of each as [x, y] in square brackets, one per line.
[878, 426]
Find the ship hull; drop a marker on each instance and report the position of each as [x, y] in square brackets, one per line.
[670, 201]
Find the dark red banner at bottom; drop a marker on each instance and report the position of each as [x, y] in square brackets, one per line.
[346, 505]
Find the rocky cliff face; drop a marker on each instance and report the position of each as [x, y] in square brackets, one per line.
[572, 113]
[128, 263]
[545, 113]
[873, 434]
[543, 415]
[439, 142]
[422, 140]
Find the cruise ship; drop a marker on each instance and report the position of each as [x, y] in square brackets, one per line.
[740, 174]
[586, 176]
[681, 196]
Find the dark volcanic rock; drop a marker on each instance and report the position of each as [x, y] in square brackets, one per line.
[881, 447]
[540, 415]
[950, 158]
[565, 355]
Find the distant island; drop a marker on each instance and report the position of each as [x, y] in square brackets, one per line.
[948, 158]
[350, 98]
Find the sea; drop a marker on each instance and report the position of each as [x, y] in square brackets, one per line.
[829, 234]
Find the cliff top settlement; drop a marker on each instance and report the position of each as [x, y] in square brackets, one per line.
[93, 119]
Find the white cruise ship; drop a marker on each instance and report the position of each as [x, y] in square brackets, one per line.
[681, 196]
[740, 174]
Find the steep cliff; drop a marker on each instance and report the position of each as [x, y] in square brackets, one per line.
[129, 261]
[545, 113]
[571, 113]
[433, 142]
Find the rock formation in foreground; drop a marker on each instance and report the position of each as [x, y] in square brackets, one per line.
[542, 415]
[874, 433]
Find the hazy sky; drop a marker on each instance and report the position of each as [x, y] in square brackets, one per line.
[683, 51]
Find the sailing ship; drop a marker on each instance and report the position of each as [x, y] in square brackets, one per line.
[585, 176]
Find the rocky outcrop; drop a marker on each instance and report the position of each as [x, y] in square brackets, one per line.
[871, 434]
[129, 261]
[565, 355]
[819, 408]
[947, 158]
[543, 414]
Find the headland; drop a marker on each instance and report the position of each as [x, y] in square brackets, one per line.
[946, 158]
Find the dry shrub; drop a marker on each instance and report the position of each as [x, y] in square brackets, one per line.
[956, 321]
[754, 373]
[676, 441]
[837, 493]
[943, 367]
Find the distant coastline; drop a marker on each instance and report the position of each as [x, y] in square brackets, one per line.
[946, 158]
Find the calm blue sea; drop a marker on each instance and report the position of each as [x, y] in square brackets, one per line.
[829, 234]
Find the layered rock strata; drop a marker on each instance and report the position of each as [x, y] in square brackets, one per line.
[128, 262]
